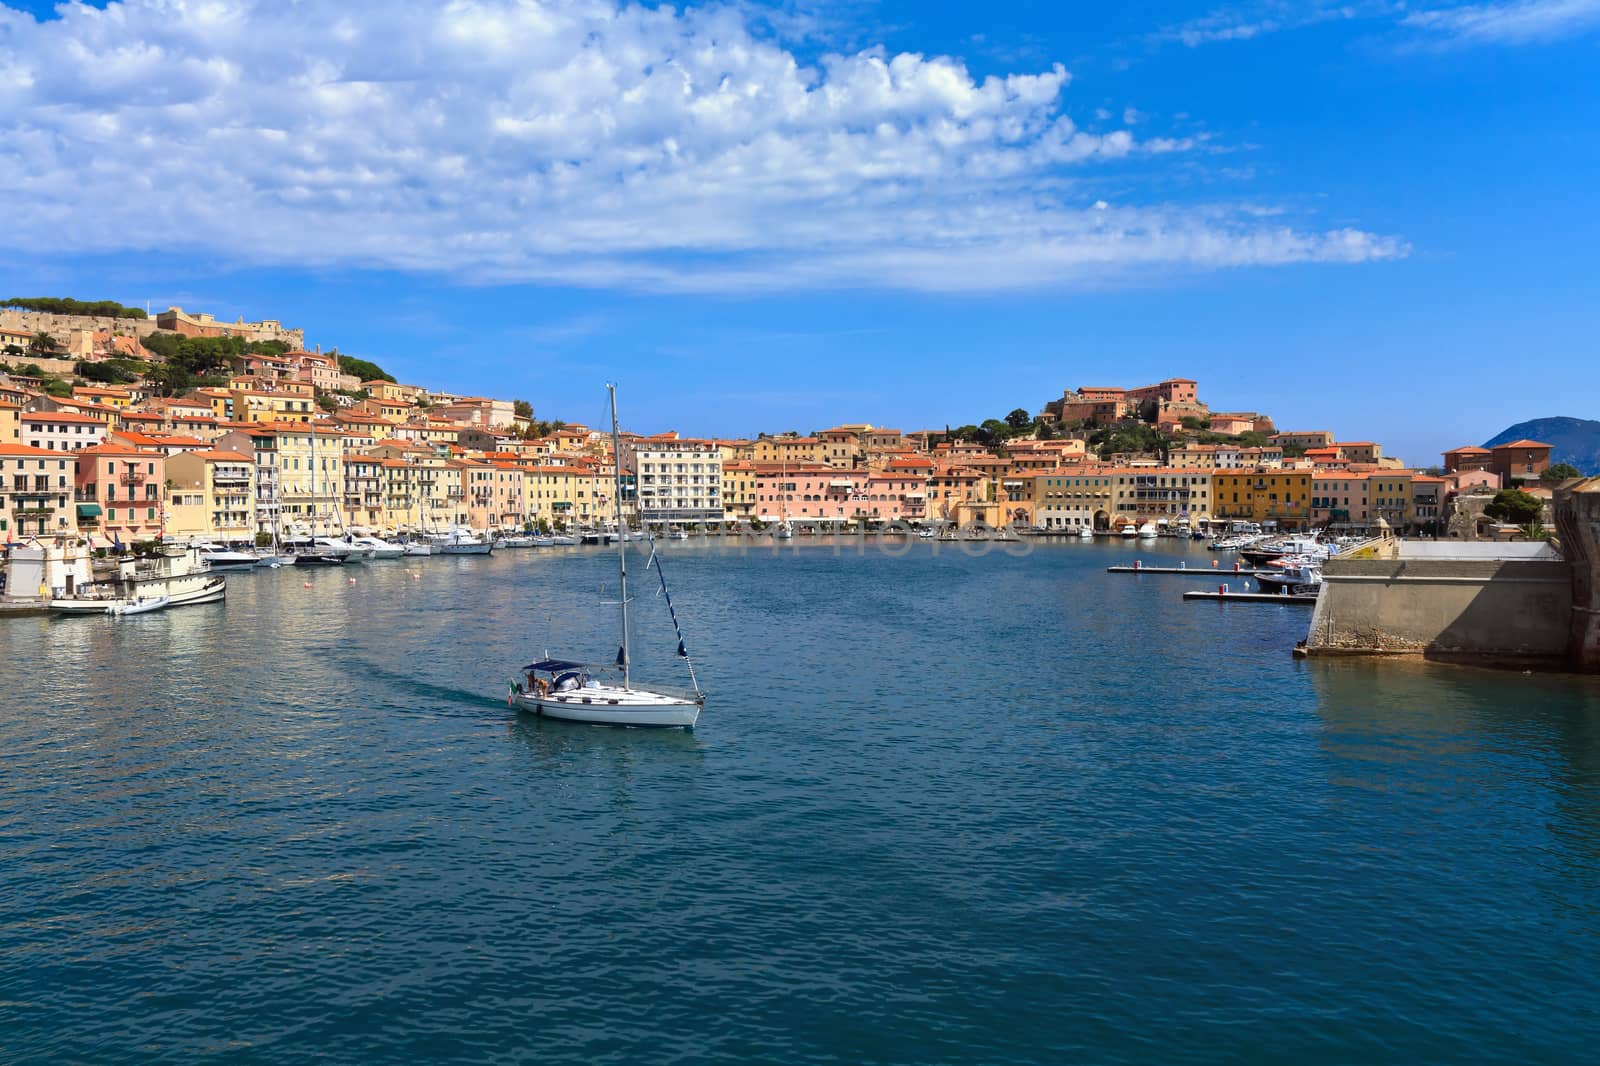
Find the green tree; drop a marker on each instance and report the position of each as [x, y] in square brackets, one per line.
[64, 305]
[327, 402]
[363, 369]
[41, 343]
[58, 387]
[107, 373]
[522, 408]
[1514, 506]
[1019, 419]
[1560, 472]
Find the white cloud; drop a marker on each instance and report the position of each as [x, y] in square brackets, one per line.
[1511, 22]
[571, 141]
[1248, 21]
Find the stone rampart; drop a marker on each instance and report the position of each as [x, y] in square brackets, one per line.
[1480, 610]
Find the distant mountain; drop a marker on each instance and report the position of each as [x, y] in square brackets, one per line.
[1571, 440]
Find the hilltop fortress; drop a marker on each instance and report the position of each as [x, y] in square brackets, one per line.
[65, 329]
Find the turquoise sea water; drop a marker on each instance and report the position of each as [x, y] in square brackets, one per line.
[939, 809]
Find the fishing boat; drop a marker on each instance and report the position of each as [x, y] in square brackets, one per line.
[177, 575]
[574, 691]
[138, 606]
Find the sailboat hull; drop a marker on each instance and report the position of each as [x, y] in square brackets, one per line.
[613, 706]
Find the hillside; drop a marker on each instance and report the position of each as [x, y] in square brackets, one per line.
[1572, 440]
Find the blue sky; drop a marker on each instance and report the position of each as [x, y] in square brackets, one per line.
[1376, 218]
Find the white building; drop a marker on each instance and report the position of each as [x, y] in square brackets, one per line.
[61, 431]
[679, 481]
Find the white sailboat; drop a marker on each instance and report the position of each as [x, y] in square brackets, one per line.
[785, 530]
[569, 690]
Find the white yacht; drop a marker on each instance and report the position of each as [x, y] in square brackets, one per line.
[462, 541]
[1148, 531]
[1298, 576]
[380, 548]
[1086, 533]
[569, 690]
[221, 558]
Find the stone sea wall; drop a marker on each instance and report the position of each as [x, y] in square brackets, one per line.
[1463, 609]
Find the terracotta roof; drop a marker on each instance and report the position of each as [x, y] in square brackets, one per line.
[23, 449]
[1521, 444]
[62, 416]
[1468, 450]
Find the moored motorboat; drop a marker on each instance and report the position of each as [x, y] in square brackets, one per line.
[139, 606]
[377, 547]
[1300, 576]
[463, 541]
[220, 558]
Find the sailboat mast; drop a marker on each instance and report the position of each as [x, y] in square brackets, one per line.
[622, 544]
[313, 427]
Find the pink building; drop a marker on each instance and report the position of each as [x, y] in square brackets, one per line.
[128, 484]
[814, 493]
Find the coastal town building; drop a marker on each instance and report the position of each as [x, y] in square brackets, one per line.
[1339, 500]
[128, 484]
[37, 492]
[679, 480]
[61, 431]
[10, 422]
[1279, 498]
[1519, 460]
[211, 496]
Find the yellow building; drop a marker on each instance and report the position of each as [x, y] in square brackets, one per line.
[1390, 496]
[738, 490]
[211, 496]
[255, 406]
[299, 487]
[1150, 494]
[10, 423]
[1072, 499]
[364, 492]
[789, 450]
[1279, 496]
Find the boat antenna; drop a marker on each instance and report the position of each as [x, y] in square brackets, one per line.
[622, 538]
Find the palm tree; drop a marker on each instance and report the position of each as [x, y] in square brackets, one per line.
[42, 343]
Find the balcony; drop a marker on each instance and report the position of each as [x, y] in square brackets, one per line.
[132, 477]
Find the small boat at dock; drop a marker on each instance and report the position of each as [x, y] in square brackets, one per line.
[138, 606]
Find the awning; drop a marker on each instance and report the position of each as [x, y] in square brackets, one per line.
[88, 510]
[553, 665]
